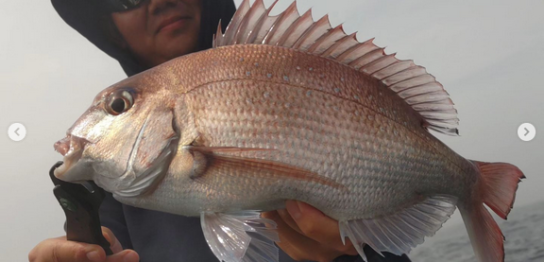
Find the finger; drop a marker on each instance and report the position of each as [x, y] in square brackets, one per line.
[319, 227]
[283, 232]
[126, 255]
[115, 245]
[61, 250]
[289, 220]
[298, 246]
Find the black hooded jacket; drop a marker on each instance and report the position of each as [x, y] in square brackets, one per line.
[82, 15]
[157, 236]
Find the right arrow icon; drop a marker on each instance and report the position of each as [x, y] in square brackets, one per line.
[526, 132]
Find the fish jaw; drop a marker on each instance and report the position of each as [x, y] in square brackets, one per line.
[71, 147]
[88, 130]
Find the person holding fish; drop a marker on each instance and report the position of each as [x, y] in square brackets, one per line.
[286, 133]
[141, 35]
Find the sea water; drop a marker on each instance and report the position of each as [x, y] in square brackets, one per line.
[524, 233]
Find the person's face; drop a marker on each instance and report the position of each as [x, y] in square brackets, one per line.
[160, 30]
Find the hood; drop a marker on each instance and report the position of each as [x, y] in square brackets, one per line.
[83, 15]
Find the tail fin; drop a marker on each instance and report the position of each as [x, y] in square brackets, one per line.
[497, 189]
[485, 235]
[499, 185]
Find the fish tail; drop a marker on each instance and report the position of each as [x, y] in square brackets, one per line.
[499, 182]
[485, 235]
[497, 189]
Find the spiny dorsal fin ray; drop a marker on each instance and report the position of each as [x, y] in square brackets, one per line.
[285, 19]
[317, 29]
[252, 24]
[263, 26]
[341, 46]
[295, 31]
[229, 37]
[325, 41]
[250, 20]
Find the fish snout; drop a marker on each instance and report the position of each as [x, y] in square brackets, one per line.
[70, 143]
[71, 147]
[62, 146]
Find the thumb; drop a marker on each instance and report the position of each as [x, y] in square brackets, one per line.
[124, 256]
[115, 245]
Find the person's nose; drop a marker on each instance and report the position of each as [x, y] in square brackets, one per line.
[159, 6]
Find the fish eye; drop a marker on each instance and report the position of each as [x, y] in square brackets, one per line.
[119, 102]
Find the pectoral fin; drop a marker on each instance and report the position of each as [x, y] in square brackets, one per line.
[240, 236]
[224, 158]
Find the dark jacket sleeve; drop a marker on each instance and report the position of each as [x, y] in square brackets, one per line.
[372, 256]
[113, 217]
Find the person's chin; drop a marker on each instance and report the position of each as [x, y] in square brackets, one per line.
[177, 47]
[180, 42]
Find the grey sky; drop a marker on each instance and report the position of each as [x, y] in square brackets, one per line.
[488, 54]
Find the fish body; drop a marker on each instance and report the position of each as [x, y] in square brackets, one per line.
[311, 115]
[308, 113]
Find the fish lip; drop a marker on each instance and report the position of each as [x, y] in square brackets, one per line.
[71, 147]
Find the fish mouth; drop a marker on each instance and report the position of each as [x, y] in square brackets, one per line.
[71, 147]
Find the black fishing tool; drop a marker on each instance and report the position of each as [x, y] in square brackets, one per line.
[80, 203]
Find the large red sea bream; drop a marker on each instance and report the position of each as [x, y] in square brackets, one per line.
[287, 108]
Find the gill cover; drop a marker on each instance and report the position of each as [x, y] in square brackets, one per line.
[152, 149]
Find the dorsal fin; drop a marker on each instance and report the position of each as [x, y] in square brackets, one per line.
[252, 24]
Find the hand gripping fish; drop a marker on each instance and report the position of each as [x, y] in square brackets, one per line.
[287, 108]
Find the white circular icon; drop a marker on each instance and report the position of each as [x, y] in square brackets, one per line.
[526, 132]
[17, 132]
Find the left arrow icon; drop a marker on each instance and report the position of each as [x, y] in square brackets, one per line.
[17, 132]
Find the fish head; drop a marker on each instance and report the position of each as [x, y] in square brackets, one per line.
[125, 141]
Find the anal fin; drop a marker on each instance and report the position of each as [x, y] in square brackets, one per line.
[240, 236]
[400, 232]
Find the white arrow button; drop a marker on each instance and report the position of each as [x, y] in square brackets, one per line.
[17, 132]
[526, 132]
